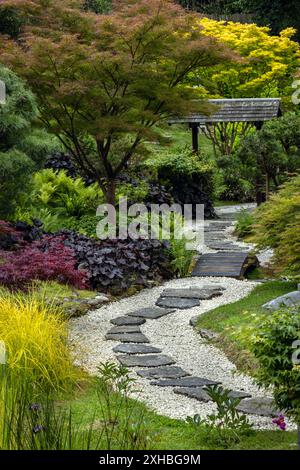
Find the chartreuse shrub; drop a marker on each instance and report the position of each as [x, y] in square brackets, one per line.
[60, 201]
[275, 347]
[35, 337]
[277, 226]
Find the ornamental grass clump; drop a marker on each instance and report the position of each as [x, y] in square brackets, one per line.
[35, 338]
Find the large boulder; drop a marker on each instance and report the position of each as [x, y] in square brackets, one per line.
[292, 299]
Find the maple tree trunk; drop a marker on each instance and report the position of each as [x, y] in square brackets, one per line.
[111, 192]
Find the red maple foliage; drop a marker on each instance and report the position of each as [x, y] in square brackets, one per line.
[18, 269]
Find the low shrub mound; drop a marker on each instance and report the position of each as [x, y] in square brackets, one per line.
[116, 265]
[27, 254]
[20, 268]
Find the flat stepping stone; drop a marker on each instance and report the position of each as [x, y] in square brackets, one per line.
[172, 372]
[128, 337]
[136, 349]
[200, 294]
[124, 329]
[259, 406]
[151, 313]
[225, 264]
[177, 302]
[200, 394]
[127, 321]
[145, 361]
[185, 382]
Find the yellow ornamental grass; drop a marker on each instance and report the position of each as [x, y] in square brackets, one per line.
[35, 338]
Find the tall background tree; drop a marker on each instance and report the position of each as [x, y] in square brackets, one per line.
[22, 147]
[104, 82]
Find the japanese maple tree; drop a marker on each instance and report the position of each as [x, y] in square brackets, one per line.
[104, 82]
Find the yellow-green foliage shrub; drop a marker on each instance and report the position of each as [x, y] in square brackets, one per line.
[277, 226]
[35, 338]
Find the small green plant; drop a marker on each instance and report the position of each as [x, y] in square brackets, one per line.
[275, 349]
[227, 426]
[122, 425]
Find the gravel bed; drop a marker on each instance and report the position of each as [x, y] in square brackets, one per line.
[176, 338]
[174, 335]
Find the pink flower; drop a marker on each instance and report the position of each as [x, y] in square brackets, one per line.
[280, 422]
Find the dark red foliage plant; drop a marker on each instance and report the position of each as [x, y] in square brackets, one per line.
[18, 269]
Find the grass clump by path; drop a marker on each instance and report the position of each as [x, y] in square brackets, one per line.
[237, 322]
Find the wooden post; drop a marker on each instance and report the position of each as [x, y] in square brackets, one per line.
[195, 133]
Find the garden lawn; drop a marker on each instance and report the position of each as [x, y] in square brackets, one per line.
[236, 323]
[170, 434]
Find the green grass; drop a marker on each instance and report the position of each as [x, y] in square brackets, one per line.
[235, 322]
[172, 434]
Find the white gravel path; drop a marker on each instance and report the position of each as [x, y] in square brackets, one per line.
[174, 335]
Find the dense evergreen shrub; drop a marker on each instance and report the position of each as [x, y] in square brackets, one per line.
[22, 148]
[187, 176]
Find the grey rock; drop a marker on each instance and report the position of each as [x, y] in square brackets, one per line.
[194, 320]
[185, 382]
[163, 372]
[126, 320]
[136, 349]
[128, 337]
[259, 406]
[151, 312]
[145, 361]
[208, 334]
[200, 394]
[124, 329]
[288, 300]
[176, 302]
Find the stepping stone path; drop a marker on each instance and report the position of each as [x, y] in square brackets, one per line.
[128, 337]
[136, 349]
[259, 406]
[229, 261]
[185, 382]
[151, 313]
[172, 372]
[128, 321]
[177, 302]
[200, 394]
[145, 361]
[124, 329]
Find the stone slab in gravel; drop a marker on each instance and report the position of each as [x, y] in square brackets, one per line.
[151, 313]
[136, 349]
[177, 302]
[128, 337]
[145, 361]
[163, 372]
[259, 406]
[185, 382]
[127, 321]
[200, 394]
[124, 329]
[201, 294]
[288, 300]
